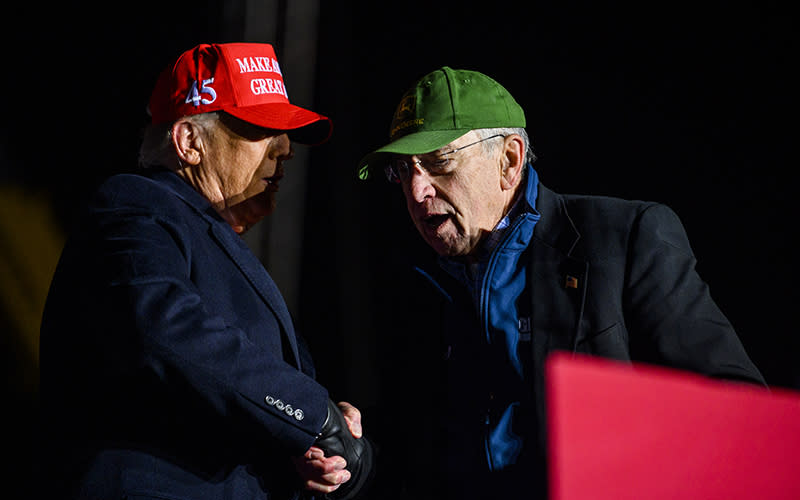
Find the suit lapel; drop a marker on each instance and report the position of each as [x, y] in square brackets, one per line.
[558, 280]
[558, 287]
[239, 253]
[252, 268]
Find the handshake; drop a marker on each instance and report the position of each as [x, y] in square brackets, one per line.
[336, 440]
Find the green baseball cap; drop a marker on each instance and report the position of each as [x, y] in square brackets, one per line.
[441, 107]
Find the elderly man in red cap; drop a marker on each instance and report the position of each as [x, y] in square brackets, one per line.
[170, 365]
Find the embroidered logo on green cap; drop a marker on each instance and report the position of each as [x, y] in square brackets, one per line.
[404, 116]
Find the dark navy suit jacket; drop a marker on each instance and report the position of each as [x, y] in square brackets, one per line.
[169, 364]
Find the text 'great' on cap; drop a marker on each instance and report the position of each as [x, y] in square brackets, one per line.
[441, 107]
[242, 79]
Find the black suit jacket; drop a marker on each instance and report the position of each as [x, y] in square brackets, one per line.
[617, 279]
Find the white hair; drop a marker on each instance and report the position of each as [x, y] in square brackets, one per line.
[485, 133]
[157, 149]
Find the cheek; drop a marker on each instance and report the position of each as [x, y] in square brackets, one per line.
[251, 167]
[410, 203]
[487, 199]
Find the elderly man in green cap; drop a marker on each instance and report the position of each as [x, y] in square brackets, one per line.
[521, 272]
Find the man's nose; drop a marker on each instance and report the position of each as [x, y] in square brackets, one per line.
[419, 184]
[281, 148]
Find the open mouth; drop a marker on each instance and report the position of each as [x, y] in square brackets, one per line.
[435, 220]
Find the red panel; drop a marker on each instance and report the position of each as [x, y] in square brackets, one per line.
[618, 432]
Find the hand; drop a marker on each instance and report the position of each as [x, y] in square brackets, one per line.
[353, 418]
[326, 474]
[321, 473]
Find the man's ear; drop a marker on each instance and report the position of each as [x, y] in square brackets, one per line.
[512, 162]
[187, 141]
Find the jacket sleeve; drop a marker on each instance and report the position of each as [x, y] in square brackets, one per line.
[163, 325]
[670, 305]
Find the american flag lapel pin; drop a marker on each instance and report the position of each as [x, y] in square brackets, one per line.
[571, 282]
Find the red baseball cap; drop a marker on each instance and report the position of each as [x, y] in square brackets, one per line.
[242, 79]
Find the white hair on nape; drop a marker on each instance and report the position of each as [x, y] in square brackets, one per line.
[157, 150]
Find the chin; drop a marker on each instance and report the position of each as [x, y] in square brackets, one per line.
[444, 249]
[258, 207]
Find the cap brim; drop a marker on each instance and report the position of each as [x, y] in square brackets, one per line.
[304, 126]
[411, 144]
